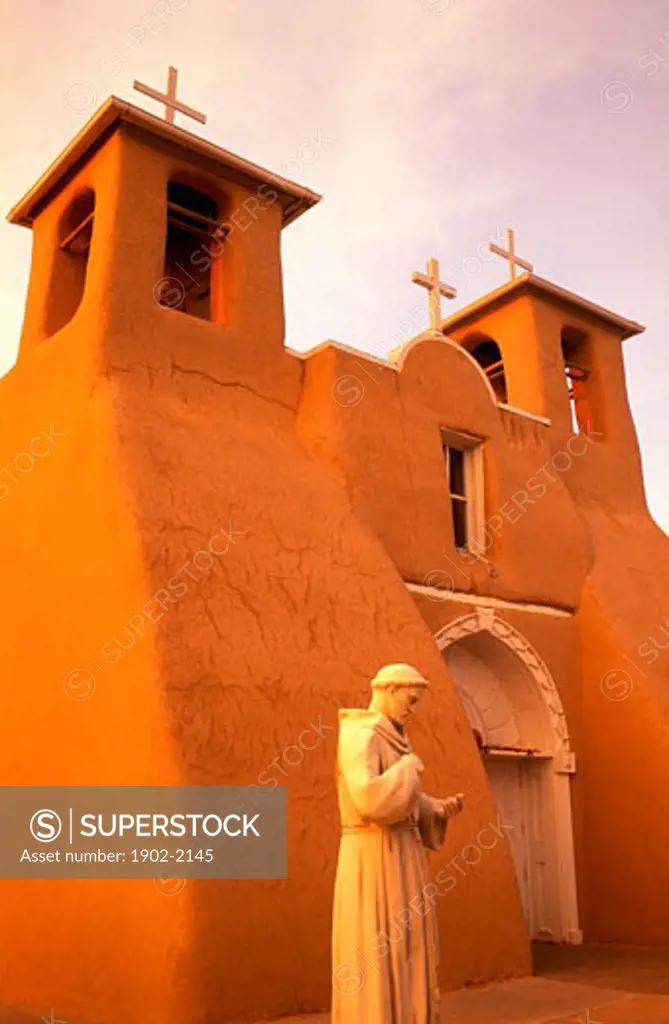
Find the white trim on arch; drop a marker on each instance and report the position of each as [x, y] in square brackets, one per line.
[485, 619]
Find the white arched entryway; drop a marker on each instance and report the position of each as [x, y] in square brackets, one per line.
[512, 703]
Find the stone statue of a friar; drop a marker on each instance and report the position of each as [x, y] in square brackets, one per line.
[384, 936]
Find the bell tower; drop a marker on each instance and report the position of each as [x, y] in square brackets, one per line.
[549, 352]
[143, 229]
[557, 356]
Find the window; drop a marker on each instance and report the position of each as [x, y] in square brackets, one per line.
[193, 244]
[464, 470]
[75, 232]
[489, 357]
[577, 374]
[456, 486]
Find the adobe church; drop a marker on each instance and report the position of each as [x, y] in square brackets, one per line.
[473, 506]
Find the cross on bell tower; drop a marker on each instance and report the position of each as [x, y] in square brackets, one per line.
[510, 255]
[170, 98]
[436, 289]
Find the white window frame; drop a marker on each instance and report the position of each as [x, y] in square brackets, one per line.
[472, 448]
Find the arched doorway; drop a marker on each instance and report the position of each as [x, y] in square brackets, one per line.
[516, 714]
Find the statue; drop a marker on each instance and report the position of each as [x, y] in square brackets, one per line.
[384, 935]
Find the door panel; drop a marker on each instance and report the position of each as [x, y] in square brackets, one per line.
[536, 795]
[521, 790]
[506, 783]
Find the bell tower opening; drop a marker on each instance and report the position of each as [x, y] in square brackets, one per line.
[68, 279]
[577, 373]
[488, 355]
[193, 250]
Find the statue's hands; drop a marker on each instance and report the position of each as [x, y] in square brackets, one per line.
[414, 761]
[452, 805]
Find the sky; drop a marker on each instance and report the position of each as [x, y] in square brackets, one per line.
[429, 126]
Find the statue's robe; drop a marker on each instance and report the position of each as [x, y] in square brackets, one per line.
[384, 935]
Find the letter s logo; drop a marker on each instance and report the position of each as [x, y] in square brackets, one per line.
[45, 826]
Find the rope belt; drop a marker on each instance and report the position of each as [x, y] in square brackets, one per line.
[400, 826]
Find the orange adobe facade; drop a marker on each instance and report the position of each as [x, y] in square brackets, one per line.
[160, 415]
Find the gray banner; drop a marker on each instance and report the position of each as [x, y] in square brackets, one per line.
[164, 832]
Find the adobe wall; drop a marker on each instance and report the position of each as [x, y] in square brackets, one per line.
[167, 445]
[625, 763]
[381, 435]
[624, 614]
[73, 575]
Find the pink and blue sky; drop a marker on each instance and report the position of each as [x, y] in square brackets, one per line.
[428, 125]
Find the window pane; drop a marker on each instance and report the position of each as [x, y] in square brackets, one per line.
[459, 523]
[456, 471]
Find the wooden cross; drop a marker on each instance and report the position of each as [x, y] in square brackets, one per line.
[436, 289]
[510, 255]
[170, 98]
